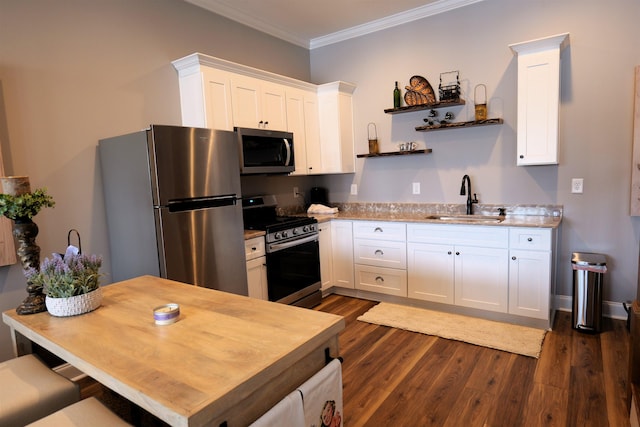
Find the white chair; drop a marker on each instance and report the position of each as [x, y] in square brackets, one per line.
[86, 413]
[30, 390]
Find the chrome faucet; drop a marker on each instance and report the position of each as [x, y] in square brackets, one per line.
[467, 192]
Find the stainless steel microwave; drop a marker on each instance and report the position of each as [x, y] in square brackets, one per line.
[264, 151]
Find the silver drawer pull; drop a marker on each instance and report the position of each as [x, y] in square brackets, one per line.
[378, 229]
[379, 252]
[379, 279]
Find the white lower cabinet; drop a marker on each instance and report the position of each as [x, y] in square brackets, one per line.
[325, 255]
[461, 265]
[530, 272]
[380, 255]
[256, 268]
[481, 278]
[342, 253]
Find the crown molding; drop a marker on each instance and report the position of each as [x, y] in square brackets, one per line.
[431, 9]
[401, 18]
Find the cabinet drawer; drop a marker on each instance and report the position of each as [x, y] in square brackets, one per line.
[382, 280]
[380, 253]
[380, 230]
[254, 248]
[530, 238]
[454, 234]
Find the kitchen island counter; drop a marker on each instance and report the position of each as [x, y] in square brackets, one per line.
[228, 358]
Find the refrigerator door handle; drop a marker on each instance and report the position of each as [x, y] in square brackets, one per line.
[182, 205]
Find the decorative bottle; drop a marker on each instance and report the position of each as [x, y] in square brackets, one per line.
[396, 97]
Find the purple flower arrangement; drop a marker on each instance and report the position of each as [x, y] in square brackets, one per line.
[66, 276]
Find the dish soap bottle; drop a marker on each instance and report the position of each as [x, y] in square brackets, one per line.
[396, 97]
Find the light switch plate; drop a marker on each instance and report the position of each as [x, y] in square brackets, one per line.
[354, 189]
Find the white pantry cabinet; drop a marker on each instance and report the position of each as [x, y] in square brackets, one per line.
[255, 254]
[342, 256]
[458, 264]
[258, 104]
[538, 99]
[530, 268]
[335, 112]
[326, 269]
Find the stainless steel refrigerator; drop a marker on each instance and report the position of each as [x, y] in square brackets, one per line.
[172, 198]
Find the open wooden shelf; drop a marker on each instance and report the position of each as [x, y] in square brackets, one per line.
[421, 107]
[473, 123]
[396, 153]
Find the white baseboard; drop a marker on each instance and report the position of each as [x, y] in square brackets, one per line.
[611, 309]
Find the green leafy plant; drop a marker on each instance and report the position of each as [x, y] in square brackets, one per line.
[64, 277]
[25, 205]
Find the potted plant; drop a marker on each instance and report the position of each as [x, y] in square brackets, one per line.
[23, 207]
[20, 204]
[71, 282]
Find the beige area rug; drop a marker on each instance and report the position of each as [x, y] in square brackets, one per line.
[501, 336]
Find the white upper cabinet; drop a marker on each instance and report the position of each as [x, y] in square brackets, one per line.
[218, 94]
[335, 107]
[538, 99]
[258, 104]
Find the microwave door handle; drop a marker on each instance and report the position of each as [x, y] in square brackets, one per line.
[287, 145]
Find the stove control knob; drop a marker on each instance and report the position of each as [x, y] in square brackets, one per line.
[284, 234]
[295, 231]
[305, 229]
[277, 235]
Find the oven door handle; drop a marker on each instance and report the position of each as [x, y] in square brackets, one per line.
[274, 247]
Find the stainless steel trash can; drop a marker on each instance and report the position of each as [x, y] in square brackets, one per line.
[588, 276]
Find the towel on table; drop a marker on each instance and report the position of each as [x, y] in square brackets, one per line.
[287, 412]
[322, 397]
[321, 209]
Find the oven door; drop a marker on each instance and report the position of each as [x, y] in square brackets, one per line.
[293, 269]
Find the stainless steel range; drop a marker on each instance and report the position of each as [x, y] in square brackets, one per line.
[293, 253]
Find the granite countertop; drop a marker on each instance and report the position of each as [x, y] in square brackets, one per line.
[543, 216]
[250, 234]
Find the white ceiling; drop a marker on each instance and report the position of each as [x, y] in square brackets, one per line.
[316, 23]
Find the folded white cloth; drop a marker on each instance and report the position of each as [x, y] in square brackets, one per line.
[322, 397]
[321, 209]
[287, 412]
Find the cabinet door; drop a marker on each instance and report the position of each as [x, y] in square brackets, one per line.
[312, 133]
[217, 90]
[335, 113]
[245, 99]
[529, 283]
[325, 255]
[430, 271]
[296, 124]
[481, 278]
[274, 106]
[342, 257]
[257, 278]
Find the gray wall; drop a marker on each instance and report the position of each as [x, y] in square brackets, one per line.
[72, 72]
[596, 118]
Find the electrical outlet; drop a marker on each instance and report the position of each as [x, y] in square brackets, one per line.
[416, 188]
[295, 193]
[354, 189]
[577, 185]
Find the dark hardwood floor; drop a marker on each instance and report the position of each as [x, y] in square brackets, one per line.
[393, 377]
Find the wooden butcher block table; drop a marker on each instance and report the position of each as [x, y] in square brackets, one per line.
[228, 358]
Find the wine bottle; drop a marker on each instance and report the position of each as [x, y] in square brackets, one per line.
[396, 97]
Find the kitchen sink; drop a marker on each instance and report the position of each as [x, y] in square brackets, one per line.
[483, 219]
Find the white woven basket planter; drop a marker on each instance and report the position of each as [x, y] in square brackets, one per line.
[72, 306]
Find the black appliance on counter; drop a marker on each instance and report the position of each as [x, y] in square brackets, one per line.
[293, 252]
[319, 195]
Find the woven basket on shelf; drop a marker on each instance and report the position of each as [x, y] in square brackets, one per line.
[72, 306]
